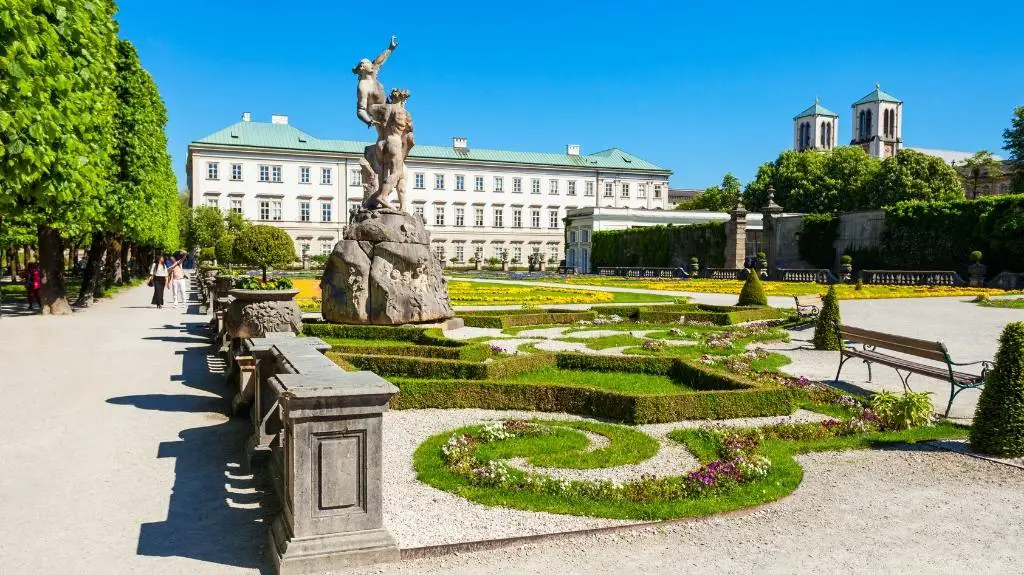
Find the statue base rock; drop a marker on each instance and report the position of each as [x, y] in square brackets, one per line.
[383, 273]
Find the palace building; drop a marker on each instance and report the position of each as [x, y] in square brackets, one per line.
[475, 202]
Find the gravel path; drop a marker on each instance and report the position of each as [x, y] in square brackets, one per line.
[905, 510]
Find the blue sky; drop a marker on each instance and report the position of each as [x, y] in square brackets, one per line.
[702, 88]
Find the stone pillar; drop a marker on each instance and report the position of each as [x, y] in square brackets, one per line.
[770, 213]
[736, 237]
[332, 512]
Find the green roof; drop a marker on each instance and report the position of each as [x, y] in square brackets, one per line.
[287, 137]
[877, 95]
[816, 109]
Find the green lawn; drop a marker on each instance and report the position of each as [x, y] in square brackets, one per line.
[1006, 303]
[634, 383]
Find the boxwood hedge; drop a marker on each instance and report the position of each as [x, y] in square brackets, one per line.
[512, 318]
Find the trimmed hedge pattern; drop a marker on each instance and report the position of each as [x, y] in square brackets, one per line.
[471, 352]
[513, 319]
[371, 332]
[437, 368]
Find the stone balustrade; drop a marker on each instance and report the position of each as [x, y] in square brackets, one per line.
[641, 272]
[821, 276]
[726, 273]
[911, 277]
[317, 436]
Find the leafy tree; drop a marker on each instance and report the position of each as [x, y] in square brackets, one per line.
[56, 123]
[827, 334]
[207, 226]
[264, 247]
[1013, 142]
[911, 175]
[981, 165]
[999, 418]
[225, 249]
[235, 222]
[753, 291]
[721, 198]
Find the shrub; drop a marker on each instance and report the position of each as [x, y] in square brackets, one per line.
[902, 411]
[436, 368]
[224, 250]
[369, 332]
[502, 319]
[207, 255]
[257, 284]
[859, 285]
[826, 330]
[846, 260]
[975, 257]
[816, 239]
[752, 292]
[999, 418]
[264, 247]
[694, 260]
[659, 246]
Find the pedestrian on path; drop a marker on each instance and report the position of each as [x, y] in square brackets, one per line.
[33, 282]
[177, 278]
[158, 279]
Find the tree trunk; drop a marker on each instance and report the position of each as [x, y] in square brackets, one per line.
[51, 266]
[112, 265]
[12, 261]
[126, 273]
[92, 270]
[27, 252]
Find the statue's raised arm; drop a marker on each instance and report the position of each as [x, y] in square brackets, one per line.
[383, 56]
[370, 91]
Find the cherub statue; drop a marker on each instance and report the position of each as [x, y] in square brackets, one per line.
[370, 93]
[395, 125]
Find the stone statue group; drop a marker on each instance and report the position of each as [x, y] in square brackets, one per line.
[383, 163]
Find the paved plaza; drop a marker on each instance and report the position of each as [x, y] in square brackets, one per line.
[118, 459]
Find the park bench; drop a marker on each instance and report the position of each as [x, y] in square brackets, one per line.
[872, 341]
[808, 306]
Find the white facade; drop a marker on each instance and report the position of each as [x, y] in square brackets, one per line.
[878, 124]
[815, 129]
[471, 207]
[582, 223]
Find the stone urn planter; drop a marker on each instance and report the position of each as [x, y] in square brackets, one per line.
[254, 313]
[478, 265]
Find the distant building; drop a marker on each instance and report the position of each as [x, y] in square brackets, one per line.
[475, 202]
[816, 128]
[679, 195]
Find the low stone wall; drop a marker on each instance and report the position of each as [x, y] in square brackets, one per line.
[316, 435]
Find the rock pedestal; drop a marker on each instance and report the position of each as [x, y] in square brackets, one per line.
[383, 273]
[253, 313]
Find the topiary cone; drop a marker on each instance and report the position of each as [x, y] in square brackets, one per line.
[999, 418]
[752, 292]
[826, 329]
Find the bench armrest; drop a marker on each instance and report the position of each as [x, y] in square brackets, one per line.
[985, 363]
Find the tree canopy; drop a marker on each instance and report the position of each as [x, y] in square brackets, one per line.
[264, 247]
[1013, 142]
[720, 198]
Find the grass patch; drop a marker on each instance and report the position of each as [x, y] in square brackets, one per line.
[632, 383]
[1005, 303]
[566, 449]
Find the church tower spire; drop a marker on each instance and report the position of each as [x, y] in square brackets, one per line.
[815, 128]
[878, 123]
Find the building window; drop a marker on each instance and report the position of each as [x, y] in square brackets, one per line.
[418, 212]
[357, 178]
[303, 211]
[417, 181]
[478, 217]
[212, 202]
[499, 217]
[275, 210]
[517, 254]
[553, 254]
[553, 187]
[459, 252]
[325, 211]
[572, 236]
[275, 174]
[236, 206]
[325, 176]
[499, 184]
[264, 173]
[212, 171]
[571, 190]
[478, 184]
[478, 252]
[657, 192]
[438, 181]
[584, 236]
[517, 218]
[609, 190]
[303, 174]
[625, 190]
[460, 182]
[535, 218]
[236, 172]
[438, 215]
[498, 251]
[439, 252]
[641, 190]
[535, 186]
[264, 210]
[326, 247]
[553, 219]
[517, 185]
[589, 190]
[460, 217]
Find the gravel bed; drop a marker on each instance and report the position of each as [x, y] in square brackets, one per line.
[962, 446]
[545, 332]
[596, 333]
[577, 346]
[510, 346]
[473, 332]
[908, 509]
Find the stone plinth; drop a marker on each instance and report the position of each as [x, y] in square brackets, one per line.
[382, 272]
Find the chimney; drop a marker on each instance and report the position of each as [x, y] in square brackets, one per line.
[460, 143]
[278, 119]
[246, 117]
[572, 149]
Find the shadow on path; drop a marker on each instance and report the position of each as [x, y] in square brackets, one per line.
[215, 512]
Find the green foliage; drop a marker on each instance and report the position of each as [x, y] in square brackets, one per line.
[753, 291]
[721, 198]
[1013, 142]
[234, 222]
[207, 226]
[694, 260]
[660, 246]
[975, 257]
[367, 332]
[980, 165]
[435, 368]
[911, 175]
[941, 235]
[207, 255]
[264, 247]
[816, 240]
[846, 260]
[512, 318]
[999, 419]
[224, 249]
[827, 333]
[253, 283]
[901, 412]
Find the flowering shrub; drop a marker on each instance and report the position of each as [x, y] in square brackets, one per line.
[654, 344]
[255, 283]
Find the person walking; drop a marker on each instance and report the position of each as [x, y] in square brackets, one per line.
[33, 282]
[176, 275]
[158, 279]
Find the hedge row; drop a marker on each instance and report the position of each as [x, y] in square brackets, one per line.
[426, 336]
[471, 352]
[634, 409]
[692, 375]
[741, 315]
[514, 320]
[439, 368]
[660, 246]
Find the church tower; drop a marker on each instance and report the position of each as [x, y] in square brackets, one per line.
[815, 128]
[878, 124]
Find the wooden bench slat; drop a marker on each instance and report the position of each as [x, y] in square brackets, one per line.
[936, 371]
[920, 348]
